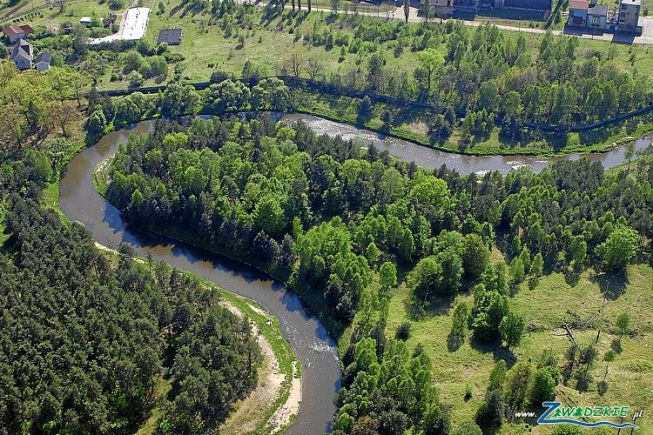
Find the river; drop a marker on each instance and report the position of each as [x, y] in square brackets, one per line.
[430, 158]
[308, 338]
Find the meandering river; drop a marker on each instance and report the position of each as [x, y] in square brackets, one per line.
[308, 338]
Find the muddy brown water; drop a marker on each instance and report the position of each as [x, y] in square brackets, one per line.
[308, 338]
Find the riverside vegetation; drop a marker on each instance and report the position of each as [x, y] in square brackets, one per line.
[425, 279]
[95, 342]
[473, 75]
[143, 326]
[354, 231]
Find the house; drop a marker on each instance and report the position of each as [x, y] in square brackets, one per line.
[578, 13]
[67, 28]
[629, 11]
[16, 33]
[171, 36]
[597, 17]
[21, 53]
[440, 8]
[86, 21]
[42, 61]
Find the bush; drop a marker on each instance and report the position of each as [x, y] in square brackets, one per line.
[403, 331]
[115, 5]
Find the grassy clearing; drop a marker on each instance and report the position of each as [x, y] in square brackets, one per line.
[45, 13]
[206, 46]
[555, 299]
[150, 426]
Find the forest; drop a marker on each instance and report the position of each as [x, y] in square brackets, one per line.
[334, 221]
[92, 342]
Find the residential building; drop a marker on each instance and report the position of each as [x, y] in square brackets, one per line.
[16, 33]
[528, 5]
[171, 36]
[629, 11]
[597, 17]
[578, 13]
[469, 6]
[42, 61]
[21, 53]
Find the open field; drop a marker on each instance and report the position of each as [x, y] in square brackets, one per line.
[48, 15]
[268, 42]
[544, 308]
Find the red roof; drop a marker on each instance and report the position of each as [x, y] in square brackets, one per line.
[579, 4]
[14, 30]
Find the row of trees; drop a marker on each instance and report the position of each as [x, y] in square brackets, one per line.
[526, 385]
[225, 95]
[552, 85]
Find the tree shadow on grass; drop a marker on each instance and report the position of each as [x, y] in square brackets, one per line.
[419, 310]
[494, 347]
[612, 285]
[572, 277]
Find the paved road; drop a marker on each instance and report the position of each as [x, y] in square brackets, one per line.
[414, 17]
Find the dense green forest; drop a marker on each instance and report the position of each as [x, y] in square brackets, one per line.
[331, 219]
[89, 341]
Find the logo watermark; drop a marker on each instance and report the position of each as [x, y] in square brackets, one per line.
[558, 414]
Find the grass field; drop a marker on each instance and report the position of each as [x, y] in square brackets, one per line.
[45, 13]
[544, 308]
[268, 43]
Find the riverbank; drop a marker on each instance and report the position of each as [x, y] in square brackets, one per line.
[409, 125]
[315, 303]
[308, 340]
[274, 403]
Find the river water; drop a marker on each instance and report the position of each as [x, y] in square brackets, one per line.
[430, 158]
[308, 338]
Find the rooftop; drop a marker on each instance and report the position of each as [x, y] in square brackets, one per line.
[43, 56]
[579, 4]
[14, 30]
[169, 36]
[599, 10]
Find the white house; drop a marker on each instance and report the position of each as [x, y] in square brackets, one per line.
[42, 61]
